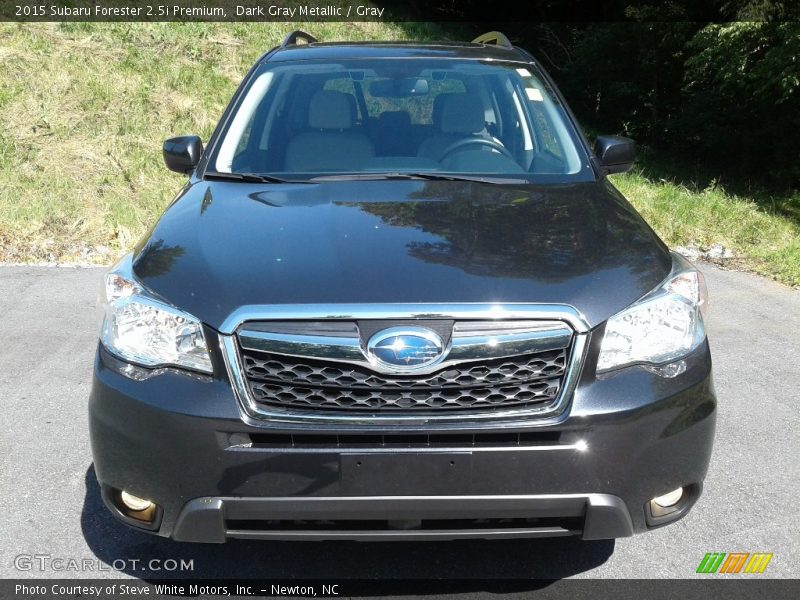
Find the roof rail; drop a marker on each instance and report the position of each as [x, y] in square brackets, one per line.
[294, 36]
[493, 37]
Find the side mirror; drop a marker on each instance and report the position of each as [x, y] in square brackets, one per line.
[181, 154]
[615, 153]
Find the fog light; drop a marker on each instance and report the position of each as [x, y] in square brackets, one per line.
[670, 499]
[134, 502]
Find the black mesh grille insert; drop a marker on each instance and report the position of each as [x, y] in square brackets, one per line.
[532, 380]
[395, 440]
[571, 525]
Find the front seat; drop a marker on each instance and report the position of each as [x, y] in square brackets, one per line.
[462, 117]
[330, 145]
[394, 137]
[438, 109]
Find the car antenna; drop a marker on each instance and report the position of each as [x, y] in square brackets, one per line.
[493, 38]
[292, 38]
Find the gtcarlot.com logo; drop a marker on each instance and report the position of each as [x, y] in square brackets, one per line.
[48, 562]
[734, 562]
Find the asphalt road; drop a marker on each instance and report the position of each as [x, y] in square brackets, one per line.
[50, 505]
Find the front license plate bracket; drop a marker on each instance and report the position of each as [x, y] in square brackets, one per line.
[405, 473]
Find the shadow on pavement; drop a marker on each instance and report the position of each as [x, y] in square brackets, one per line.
[479, 560]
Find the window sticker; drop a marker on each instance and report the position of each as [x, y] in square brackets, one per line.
[534, 94]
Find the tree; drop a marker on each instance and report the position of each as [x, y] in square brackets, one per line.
[741, 95]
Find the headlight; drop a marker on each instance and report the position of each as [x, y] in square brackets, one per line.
[660, 328]
[145, 330]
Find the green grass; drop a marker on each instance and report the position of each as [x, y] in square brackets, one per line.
[84, 109]
[764, 237]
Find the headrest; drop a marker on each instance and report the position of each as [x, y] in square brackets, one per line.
[438, 108]
[462, 113]
[351, 103]
[329, 110]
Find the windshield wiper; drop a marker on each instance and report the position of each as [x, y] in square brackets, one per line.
[365, 176]
[478, 178]
[422, 176]
[248, 177]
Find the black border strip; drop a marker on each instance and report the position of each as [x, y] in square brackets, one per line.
[710, 586]
[464, 11]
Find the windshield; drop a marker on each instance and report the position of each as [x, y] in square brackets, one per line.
[426, 117]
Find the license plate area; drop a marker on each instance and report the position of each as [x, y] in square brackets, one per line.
[405, 473]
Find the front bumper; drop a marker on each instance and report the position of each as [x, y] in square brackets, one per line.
[624, 439]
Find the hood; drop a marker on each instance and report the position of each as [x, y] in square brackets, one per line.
[223, 245]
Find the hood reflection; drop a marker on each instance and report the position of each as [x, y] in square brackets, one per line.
[519, 234]
[224, 245]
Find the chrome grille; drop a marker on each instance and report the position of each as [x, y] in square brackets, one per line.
[321, 381]
[512, 370]
[286, 382]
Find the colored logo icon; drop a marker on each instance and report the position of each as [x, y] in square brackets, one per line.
[734, 562]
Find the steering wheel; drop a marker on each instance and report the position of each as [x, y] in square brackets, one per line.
[475, 142]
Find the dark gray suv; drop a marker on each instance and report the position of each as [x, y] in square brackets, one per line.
[398, 298]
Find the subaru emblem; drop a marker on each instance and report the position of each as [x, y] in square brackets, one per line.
[404, 349]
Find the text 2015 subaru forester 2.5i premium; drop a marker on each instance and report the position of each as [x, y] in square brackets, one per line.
[398, 298]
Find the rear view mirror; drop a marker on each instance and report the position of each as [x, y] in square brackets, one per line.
[181, 154]
[398, 88]
[615, 153]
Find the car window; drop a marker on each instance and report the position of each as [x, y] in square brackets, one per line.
[344, 84]
[420, 108]
[304, 119]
